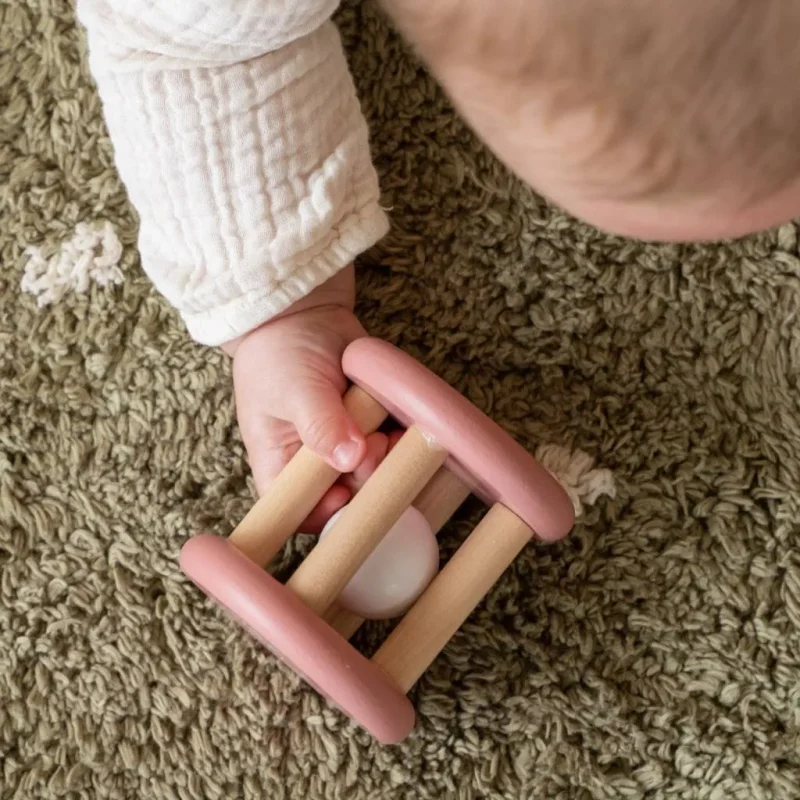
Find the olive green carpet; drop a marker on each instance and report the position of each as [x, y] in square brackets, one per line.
[655, 653]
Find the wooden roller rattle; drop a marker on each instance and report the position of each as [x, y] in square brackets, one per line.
[448, 451]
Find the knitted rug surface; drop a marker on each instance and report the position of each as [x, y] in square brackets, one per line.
[655, 653]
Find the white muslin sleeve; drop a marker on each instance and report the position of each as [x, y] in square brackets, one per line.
[239, 137]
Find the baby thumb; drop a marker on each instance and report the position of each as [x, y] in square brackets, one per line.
[325, 427]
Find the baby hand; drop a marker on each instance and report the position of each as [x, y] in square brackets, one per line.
[288, 384]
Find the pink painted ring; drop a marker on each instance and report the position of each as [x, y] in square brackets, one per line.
[498, 469]
[278, 618]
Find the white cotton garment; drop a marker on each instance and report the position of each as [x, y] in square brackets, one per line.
[239, 137]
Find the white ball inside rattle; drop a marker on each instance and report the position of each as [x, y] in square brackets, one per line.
[396, 572]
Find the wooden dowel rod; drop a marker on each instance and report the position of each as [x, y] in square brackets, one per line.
[296, 491]
[452, 595]
[388, 492]
[441, 498]
[437, 502]
[344, 622]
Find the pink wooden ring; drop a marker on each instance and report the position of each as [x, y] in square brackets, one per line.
[482, 454]
[275, 616]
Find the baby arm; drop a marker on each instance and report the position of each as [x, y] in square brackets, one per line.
[238, 134]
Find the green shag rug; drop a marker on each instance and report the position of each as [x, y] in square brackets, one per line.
[654, 653]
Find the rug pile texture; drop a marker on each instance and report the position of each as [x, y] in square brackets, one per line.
[655, 653]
